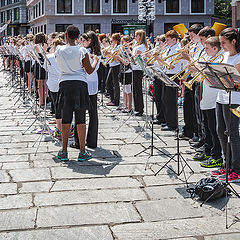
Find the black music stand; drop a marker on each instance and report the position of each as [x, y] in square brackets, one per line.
[148, 71]
[180, 159]
[226, 77]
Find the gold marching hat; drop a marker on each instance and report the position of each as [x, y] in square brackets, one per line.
[218, 27]
[181, 29]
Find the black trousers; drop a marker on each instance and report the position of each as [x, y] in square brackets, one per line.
[137, 91]
[198, 112]
[113, 84]
[92, 134]
[169, 99]
[189, 113]
[158, 86]
[212, 144]
[102, 76]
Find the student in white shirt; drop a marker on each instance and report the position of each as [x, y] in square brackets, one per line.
[91, 43]
[139, 48]
[73, 62]
[226, 120]
[212, 153]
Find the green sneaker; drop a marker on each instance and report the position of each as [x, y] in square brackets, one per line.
[211, 163]
[63, 156]
[201, 157]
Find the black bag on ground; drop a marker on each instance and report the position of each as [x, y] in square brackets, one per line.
[209, 188]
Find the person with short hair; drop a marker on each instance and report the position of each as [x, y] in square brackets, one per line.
[73, 62]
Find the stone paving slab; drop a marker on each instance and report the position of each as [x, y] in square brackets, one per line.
[87, 214]
[88, 233]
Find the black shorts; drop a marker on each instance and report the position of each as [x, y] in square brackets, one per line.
[28, 66]
[73, 97]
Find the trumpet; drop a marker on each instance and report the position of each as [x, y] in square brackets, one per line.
[190, 83]
[111, 58]
[236, 111]
[157, 52]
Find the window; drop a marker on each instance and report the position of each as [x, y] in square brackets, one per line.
[61, 27]
[91, 27]
[2, 3]
[16, 14]
[45, 28]
[168, 26]
[2, 17]
[9, 15]
[41, 28]
[9, 1]
[92, 6]
[39, 9]
[64, 6]
[119, 6]
[172, 6]
[43, 7]
[36, 8]
[197, 6]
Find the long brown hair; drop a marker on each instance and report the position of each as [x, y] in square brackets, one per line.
[94, 45]
[230, 34]
[142, 35]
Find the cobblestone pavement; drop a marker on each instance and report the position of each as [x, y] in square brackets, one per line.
[111, 196]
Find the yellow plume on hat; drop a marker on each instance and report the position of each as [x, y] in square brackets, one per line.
[218, 27]
[181, 29]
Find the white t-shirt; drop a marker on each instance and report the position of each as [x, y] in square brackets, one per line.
[53, 73]
[223, 96]
[92, 79]
[142, 48]
[69, 61]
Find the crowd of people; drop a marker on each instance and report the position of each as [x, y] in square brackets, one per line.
[72, 69]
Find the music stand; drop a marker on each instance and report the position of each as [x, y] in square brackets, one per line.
[226, 77]
[180, 159]
[148, 74]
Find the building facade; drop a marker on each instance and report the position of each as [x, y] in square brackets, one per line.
[111, 16]
[235, 13]
[16, 11]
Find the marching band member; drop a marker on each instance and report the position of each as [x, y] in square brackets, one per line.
[91, 43]
[73, 62]
[139, 48]
[226, 120]
[39, 71]
[112, 80]
[170, 94]
[191, 128]
[212, 153]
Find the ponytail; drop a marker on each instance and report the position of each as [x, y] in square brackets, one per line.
[231, 34]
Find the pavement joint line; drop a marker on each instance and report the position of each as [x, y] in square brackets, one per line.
[138, 212]
[111, 231]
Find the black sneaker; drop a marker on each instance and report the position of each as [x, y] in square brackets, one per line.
[183, 137]
[84, 156]
[194, 140]
[201, 157]
[211, 163]
[63, 156]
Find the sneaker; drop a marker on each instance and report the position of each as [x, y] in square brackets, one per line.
[194, 139]
[84, 156]
[58, 134]
[183, 137]
[232, 177]
[63, 156]
[218, 172]
[201, 157]
[201, 149]
[211, 163]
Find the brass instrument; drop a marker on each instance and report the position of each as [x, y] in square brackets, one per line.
[111, 58]
[190, 83]
[236, 111]
[157, 52]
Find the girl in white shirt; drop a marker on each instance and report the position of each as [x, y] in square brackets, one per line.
[91, 43]
[73, 62]
[226, 120]
[139, 48]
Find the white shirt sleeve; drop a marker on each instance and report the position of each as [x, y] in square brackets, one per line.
[3, 27]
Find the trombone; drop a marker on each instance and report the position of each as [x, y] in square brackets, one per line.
[111, 58]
